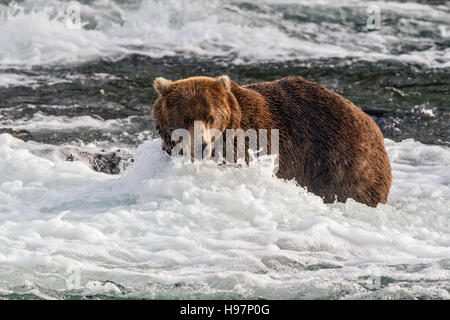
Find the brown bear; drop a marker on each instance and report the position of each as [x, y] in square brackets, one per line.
[326, 143]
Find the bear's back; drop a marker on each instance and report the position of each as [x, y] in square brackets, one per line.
[327, 143]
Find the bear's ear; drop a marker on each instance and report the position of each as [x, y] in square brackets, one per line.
[162, 86]
[225, 82]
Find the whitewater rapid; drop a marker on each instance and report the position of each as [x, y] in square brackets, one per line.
[163, 229]
[40, 32]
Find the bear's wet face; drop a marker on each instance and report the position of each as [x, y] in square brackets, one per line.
[182, 104]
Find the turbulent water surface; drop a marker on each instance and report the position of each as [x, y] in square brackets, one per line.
[161, 229]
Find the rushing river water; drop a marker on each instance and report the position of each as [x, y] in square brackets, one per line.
[162, 230]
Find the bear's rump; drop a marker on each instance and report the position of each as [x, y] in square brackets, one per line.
[326, 143]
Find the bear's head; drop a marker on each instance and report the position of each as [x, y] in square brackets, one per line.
[206, 102]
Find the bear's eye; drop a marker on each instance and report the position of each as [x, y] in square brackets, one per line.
[210, 120]
[187, 120]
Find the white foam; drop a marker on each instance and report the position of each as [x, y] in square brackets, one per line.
[34, 81]
[36, 32]
[12, 80]
[218, 231]
[423, 109]
[40, 121]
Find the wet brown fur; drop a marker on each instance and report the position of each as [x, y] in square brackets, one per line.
[327, 144]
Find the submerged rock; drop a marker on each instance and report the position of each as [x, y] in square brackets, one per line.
[107, 162]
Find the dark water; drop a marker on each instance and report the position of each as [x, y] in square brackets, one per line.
[406, 100]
